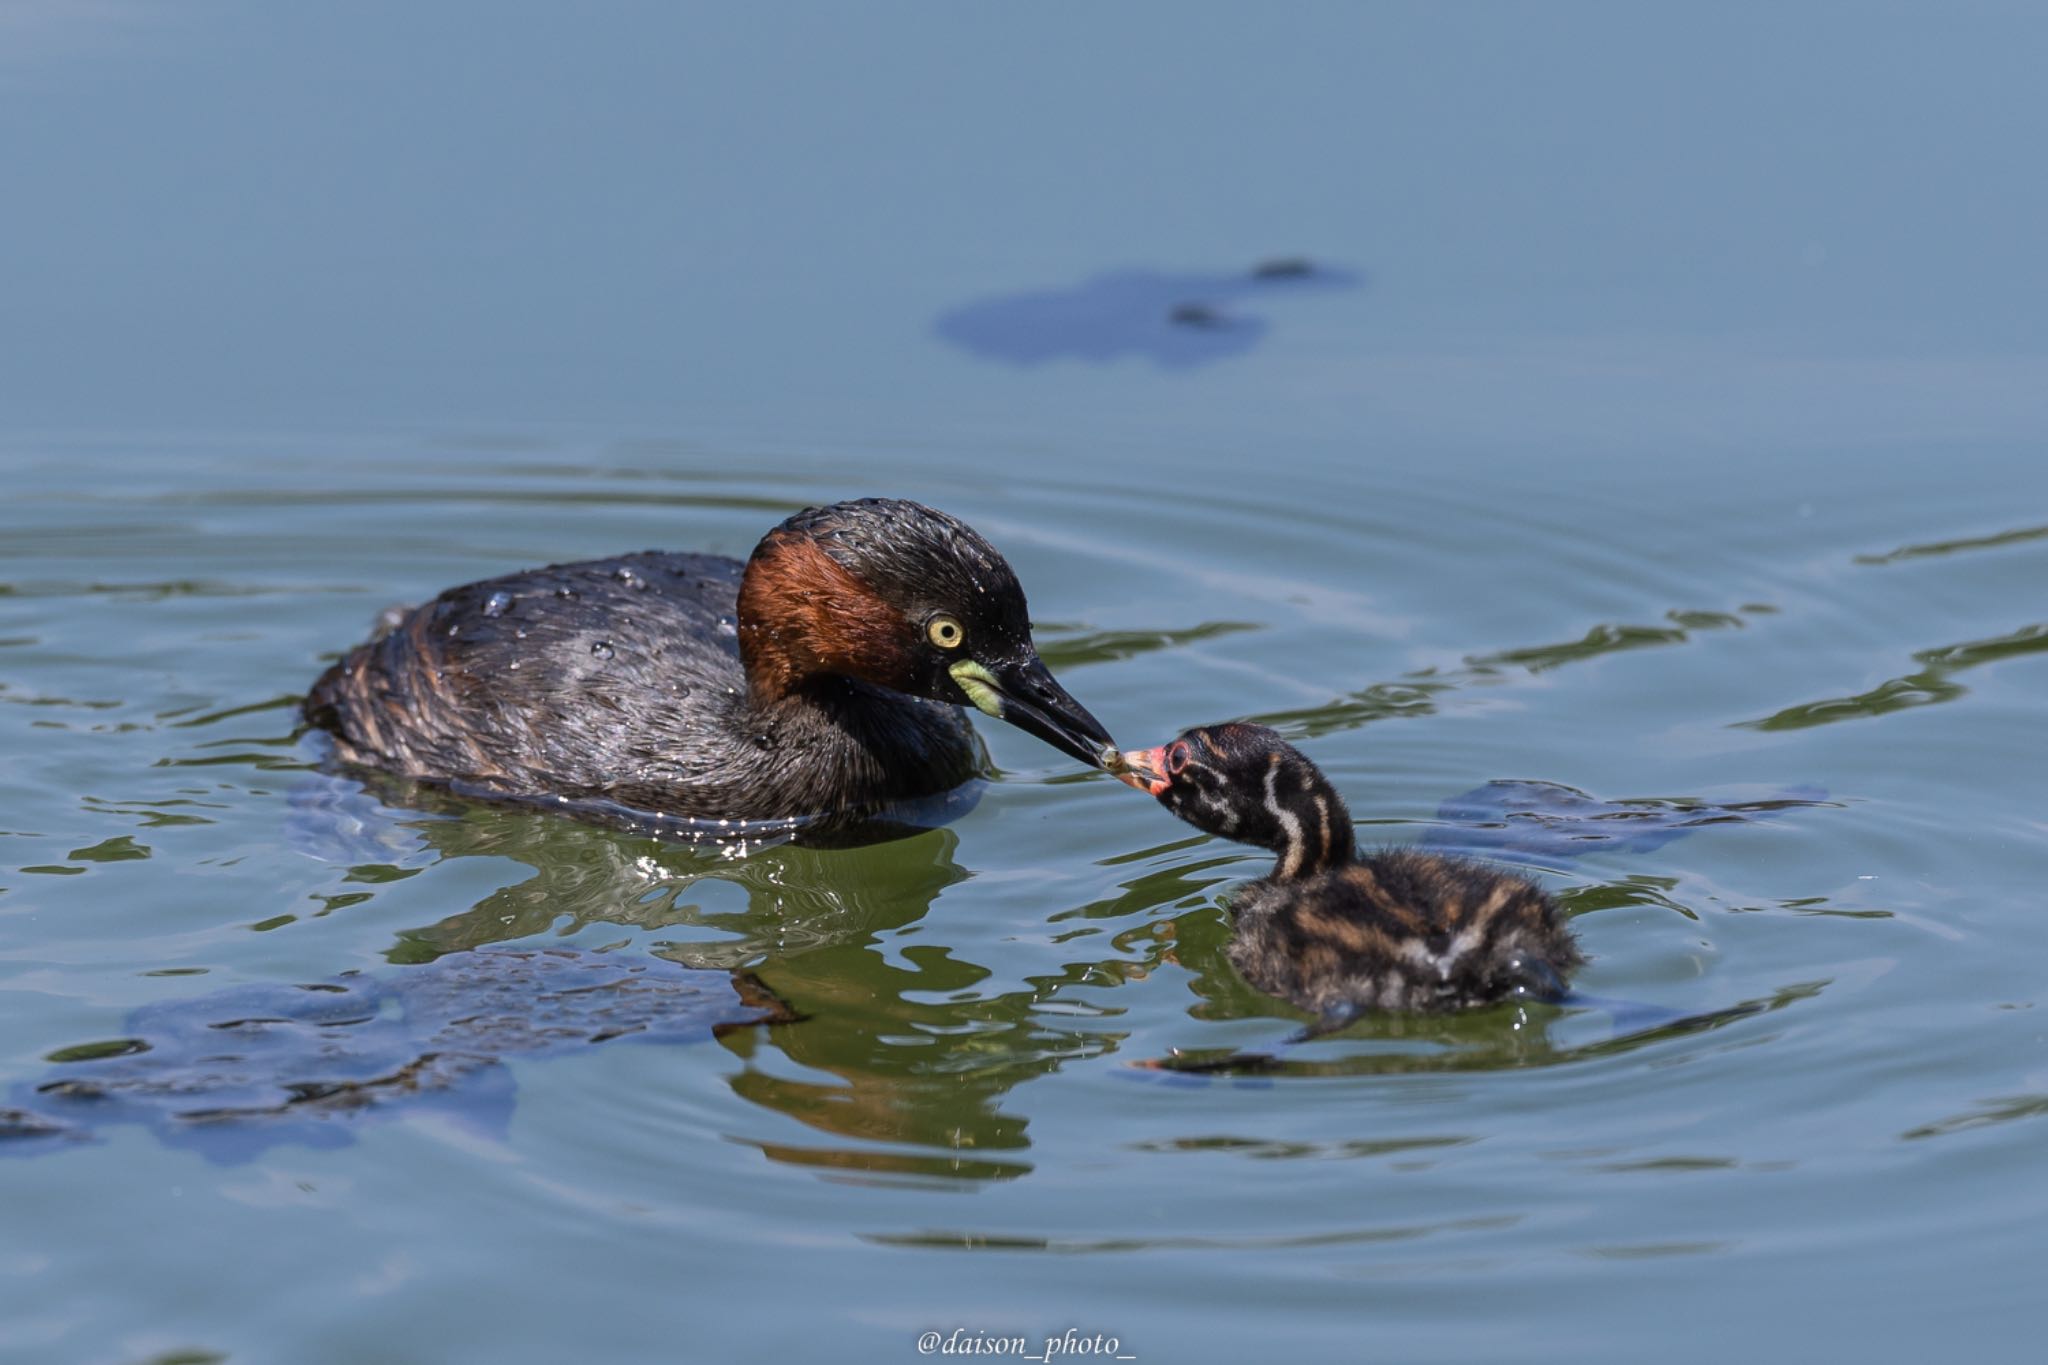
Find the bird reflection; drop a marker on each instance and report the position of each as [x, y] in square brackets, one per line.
[794, 958]
[875, 1053]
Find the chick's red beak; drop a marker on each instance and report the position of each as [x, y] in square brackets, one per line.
[1145, 769]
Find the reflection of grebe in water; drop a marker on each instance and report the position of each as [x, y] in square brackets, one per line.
[902, 1076]
[893, 1078]
[236, 1072]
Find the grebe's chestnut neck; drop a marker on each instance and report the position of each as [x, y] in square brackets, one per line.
[899, 595]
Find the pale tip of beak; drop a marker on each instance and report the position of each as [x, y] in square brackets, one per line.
[1143, 769]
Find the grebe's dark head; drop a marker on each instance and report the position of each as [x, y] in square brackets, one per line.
[1244, 782]
[908, 598]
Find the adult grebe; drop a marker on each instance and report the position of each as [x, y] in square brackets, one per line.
[819, 679]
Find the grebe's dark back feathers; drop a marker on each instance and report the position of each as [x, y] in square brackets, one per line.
[620, 680]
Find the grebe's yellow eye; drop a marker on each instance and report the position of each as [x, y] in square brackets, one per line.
[945, 632]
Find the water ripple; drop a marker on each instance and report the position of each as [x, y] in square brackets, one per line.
[1927, 687]
[1948, 547]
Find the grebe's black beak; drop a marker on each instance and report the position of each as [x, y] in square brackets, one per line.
[1024, 692]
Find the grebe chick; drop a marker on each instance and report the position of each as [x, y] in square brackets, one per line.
[819, 679]
[1338, 934]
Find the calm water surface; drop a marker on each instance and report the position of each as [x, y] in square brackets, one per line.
[956, 1136]
[1651, 512]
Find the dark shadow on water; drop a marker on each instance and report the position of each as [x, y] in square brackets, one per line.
[1547, 820]
[232, 1074]
[1177, 321]
[1441, 1044]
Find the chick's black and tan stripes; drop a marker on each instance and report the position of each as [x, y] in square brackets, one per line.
[1336, 933]
[1400, 930]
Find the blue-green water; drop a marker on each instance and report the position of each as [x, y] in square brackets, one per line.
[1681, 437]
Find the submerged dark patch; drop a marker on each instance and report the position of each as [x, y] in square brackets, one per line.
[1550, 820]
[1178, 321]
[232, 1074]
